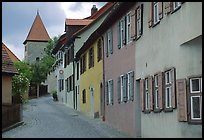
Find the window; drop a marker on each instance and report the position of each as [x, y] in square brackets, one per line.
[91, 57]
[109, 92]
[70, 83]
[122, 86]
[156, 91]
[146, 95]
[128, 28]
[176, 5]
[124, 30]
[156, 12]
[169, 93]
[195, 100]
[84, 96]
[130, 86]
[61, 84]
[83, 63]
[109, 42]
[99, 46]
[139, 21]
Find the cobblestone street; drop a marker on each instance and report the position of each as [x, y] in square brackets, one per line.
[44, 118]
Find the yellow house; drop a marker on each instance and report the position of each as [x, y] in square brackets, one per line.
[91, 78]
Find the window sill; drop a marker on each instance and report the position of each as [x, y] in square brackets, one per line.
[157, 110]
[168, 109]
[176, 9]
[155, 24]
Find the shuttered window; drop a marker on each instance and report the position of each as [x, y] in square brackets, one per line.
[83, 63]
[91, 57]
[130, 86]
[182, 97]
[146, 95]
[195, 99]
[139, 21]
[122, 81]
[142, 94]
[99, 50]
[109, 92]
[84, 96]
[169, 93]
[155, 13]
[124, 30]
[128, 27]
[109, 42]
[176, 5]
[156, 92]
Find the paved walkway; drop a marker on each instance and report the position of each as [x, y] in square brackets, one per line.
[44, 118]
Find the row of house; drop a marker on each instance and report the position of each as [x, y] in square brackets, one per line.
[137, 66]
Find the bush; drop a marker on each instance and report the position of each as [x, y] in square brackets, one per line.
[54, 95]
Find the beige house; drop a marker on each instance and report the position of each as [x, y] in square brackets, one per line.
[8, 70]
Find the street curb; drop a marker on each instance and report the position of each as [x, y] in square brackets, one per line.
[12, 126]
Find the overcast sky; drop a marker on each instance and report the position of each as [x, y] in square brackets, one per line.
[18, 17]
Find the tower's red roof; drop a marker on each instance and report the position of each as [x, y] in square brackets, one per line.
[37, 31]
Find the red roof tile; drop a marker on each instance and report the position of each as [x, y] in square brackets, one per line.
[13, 57]
[7, 64]
[102, 10]
[78, 21]
[96, 16]
[37, 31]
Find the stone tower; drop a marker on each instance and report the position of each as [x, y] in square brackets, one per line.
[36, 41]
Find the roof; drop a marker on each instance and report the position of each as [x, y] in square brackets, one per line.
[7, 64]
[96, 16]
[119, 9]
[78, 21]
[61, 41]
[37, 31]
[13, 57]
[102, 10]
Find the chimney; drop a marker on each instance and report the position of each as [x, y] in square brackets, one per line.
[94, 10]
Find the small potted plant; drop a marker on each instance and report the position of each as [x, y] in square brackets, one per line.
[54, 95]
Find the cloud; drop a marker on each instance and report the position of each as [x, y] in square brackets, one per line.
[16, 50]
[78, 10]
[18, 17]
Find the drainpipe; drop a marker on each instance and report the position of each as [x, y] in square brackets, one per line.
[73, 61]
[103, 117]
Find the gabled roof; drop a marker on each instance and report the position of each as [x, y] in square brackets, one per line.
[7, 64]
[38, 31]
[96, 16]
[119, 9]
[78, 21]
[102, 10]
[13, 57]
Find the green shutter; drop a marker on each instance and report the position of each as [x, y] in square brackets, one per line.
[119, 90]
[111, 41]
[106, 44]
[106, 92]
[132, 86]
[119, 35]
[125, 87]
[111, 86]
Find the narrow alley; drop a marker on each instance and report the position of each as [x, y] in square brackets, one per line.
[45, 118]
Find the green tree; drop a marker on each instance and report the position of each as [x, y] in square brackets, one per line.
[42, 67]
[21, 81]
